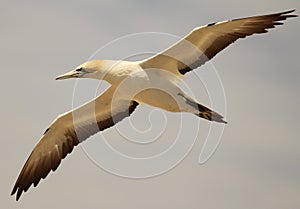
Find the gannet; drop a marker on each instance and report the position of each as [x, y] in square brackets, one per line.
[152, 81]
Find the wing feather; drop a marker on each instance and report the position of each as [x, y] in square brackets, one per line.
[67, 131]
[203, 43]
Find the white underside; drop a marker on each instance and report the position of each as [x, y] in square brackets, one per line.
[155, 87]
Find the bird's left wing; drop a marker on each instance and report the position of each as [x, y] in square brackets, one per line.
[203, 43]
[66, 132]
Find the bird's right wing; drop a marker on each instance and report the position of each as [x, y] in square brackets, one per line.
[66, 132]
[203, 43]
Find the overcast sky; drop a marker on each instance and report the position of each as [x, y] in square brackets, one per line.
[257, 162]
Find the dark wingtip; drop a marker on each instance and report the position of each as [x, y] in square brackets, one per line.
[13, 191]
[288, 12]
[19, 192]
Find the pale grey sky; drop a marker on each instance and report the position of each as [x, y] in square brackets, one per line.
[257, 162]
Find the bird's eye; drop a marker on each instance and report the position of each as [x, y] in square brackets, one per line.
[82, 69]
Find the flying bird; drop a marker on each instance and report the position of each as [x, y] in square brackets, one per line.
[154, 81]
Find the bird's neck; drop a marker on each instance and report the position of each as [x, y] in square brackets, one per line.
[115, 71]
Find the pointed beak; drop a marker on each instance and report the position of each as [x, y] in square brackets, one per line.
[72, 74]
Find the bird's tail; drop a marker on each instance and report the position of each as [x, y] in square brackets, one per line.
[203, 111]
[208, 114]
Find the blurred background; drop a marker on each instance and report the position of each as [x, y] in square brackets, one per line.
[257, 164]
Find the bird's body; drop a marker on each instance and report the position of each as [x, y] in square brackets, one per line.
[152, 86]
[154, 81]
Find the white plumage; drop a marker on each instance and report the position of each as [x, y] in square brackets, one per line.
[153, 81]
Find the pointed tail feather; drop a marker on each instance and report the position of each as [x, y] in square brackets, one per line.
[204, 112]
[210, 115]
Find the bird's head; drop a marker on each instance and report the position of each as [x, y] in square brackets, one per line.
[90, 69]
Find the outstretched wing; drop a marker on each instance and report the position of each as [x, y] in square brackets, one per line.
[203, 43]
[66, 132]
